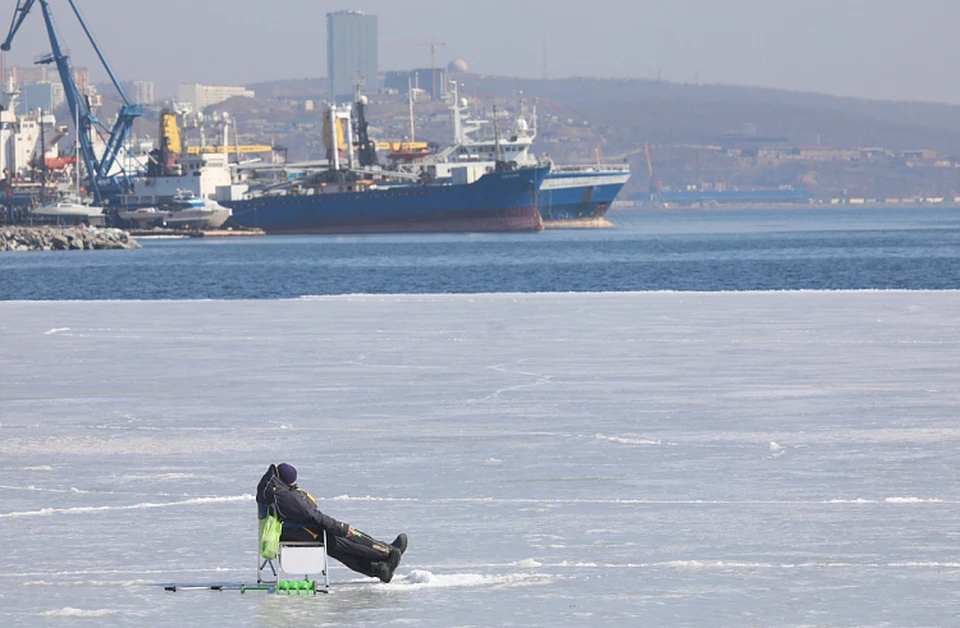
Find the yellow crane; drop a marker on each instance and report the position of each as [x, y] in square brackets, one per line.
[393, 146]
[433, 56]
[243, 148]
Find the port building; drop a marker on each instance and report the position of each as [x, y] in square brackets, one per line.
[421, 79]
[202, 96]
[352, 50]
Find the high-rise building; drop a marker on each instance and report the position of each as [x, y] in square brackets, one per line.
[143, 92]
[351, 51]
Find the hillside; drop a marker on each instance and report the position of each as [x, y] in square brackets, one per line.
[711, 135]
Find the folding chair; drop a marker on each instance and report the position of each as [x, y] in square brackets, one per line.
[299, 560]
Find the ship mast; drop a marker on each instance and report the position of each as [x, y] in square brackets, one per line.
[496, 135]
[43, 161]
[413, 135]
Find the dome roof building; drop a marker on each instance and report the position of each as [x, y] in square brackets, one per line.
[457, 65]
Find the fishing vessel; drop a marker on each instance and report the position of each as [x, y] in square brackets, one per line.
[185, 211]
[188, 211]
[354, 195]
[572, 196]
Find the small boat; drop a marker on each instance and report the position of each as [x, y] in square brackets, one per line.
[142, 216]
[189, 211]
[71, 205]
[68, 208]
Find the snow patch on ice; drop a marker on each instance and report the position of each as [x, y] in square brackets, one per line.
[424, 578]
[55, 330]
[370, 498]
[43, 467]
[628, 441]
[774, 446]
[858, 500]
[69, 611]
[87, 509]
[418, 576]
[176, 476]
[911, 500]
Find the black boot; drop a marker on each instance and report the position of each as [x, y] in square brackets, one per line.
[383, 571]
[393, 561]
[400, 543]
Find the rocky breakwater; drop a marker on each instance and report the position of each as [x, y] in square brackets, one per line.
[79, 238]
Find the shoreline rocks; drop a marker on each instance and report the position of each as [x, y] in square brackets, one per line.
[62, 238]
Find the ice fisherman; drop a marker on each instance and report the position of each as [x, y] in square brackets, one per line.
[303, 521]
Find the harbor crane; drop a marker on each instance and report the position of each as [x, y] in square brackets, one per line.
[433, 57]
[100, 170]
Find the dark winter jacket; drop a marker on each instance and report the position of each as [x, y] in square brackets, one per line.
[295, 506]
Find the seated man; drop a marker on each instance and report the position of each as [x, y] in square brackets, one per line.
[303, 521]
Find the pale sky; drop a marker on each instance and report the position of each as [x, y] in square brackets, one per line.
[885, 49]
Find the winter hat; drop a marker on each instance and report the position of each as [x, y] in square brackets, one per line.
[287, 473]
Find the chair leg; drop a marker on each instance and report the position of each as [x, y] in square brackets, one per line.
[326, 565]
[261, 565]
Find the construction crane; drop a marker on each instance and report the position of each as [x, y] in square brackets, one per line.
[433, 57]
[98, 169]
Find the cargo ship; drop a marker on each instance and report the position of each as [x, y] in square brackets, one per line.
[574, 196]
[504, 200]
[349, 193]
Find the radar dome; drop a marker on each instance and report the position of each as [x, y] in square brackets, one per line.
[457, 65]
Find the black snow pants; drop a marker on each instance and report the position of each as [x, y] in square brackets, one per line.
[359, 553]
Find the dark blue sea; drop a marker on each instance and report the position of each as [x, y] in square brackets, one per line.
[687, 250]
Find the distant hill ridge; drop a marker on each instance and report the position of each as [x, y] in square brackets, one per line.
[670, 113]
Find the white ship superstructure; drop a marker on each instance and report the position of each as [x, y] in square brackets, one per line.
[22, 142]
[200, 175]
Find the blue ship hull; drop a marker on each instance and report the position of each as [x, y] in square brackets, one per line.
[579, 199]
[498, 201]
